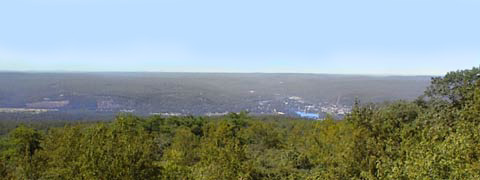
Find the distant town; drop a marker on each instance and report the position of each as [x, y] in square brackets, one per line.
[311, 96]
[290, 106]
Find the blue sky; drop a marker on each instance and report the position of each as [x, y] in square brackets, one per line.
[406, 37]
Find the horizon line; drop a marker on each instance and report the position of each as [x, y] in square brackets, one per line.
[214, 72]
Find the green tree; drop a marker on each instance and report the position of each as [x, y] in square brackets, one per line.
[24, 144]
[457, 87]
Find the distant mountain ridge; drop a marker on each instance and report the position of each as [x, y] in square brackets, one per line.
[200, 93]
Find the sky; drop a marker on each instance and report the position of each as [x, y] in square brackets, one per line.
[384, 37]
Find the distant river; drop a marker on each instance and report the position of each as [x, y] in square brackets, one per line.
[308, 115]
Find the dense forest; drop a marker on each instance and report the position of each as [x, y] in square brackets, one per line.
[436, 136]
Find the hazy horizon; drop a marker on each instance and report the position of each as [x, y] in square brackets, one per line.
[209, 72]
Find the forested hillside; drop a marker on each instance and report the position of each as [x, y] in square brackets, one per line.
[436, 136]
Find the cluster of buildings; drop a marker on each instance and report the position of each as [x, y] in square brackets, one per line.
[279, 105]
[317, 111]
[298, 106]
[25, 110]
